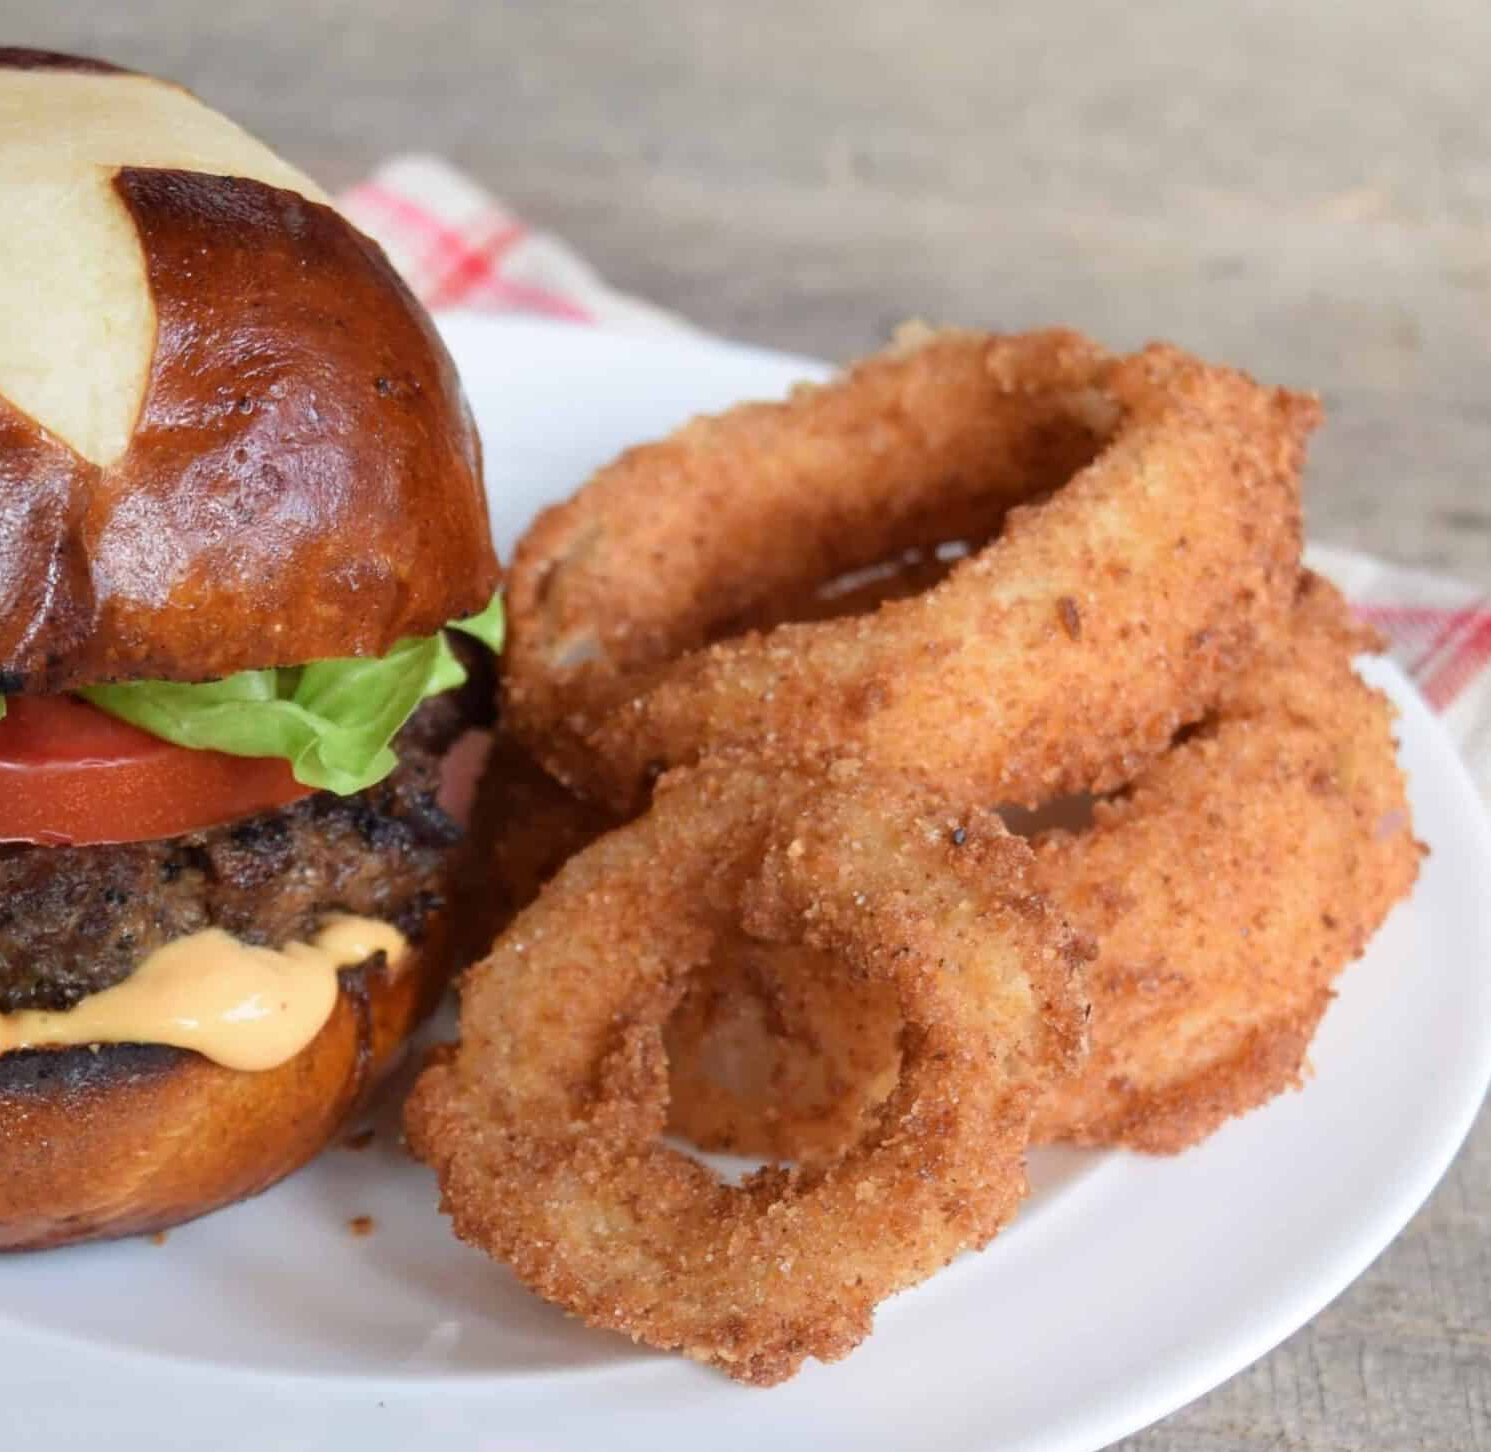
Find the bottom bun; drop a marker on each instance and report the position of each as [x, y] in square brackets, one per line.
[121, 1139]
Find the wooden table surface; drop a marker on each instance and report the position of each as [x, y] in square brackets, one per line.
[1301, 188]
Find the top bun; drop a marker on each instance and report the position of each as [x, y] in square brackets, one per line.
[229, 436]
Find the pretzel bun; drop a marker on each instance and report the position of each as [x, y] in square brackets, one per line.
[230, 438]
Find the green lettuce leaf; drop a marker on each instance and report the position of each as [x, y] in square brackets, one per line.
[490, 627]
[332, 720]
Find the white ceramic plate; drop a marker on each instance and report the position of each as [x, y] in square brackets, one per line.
[1126, 1287]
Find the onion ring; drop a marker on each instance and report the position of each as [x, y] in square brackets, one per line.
[1057, 658]
[744, 1039]
[543, 1124]
[1227, 888]
[1230, 887]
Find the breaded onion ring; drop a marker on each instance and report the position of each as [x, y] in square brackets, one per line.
[1229, 888]
[1056, 659]
[1226, 888]
[744, 1037]
[544, 1123]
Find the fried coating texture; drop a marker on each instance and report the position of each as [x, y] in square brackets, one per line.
[544, 1123]
[1227, 887]
[1145, 525]
[745, 1053]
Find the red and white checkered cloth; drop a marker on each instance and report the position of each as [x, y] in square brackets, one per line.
[457, 246]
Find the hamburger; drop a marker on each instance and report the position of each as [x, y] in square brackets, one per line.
[247, 611]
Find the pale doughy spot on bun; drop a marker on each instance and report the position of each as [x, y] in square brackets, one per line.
[77, 322]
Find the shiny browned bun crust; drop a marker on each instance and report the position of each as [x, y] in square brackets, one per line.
[22, 58]
[124, 1139]
[280, 466]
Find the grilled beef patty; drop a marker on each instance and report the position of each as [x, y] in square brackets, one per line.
[74, 920]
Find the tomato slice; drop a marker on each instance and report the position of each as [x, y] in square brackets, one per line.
[72, 774]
